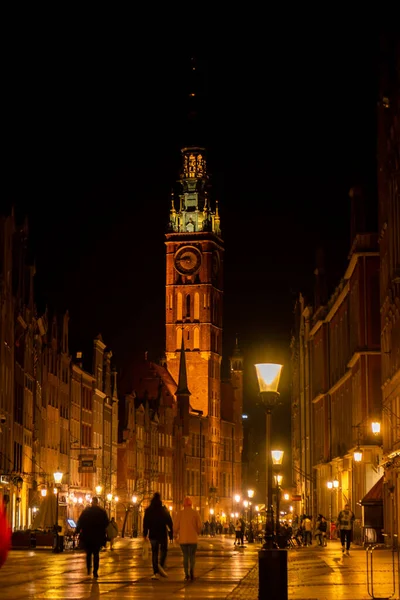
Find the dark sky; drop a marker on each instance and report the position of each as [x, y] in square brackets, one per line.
[93, 136]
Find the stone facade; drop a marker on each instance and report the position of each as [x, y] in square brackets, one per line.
[54, 414]
[336, 388]
[389, 227]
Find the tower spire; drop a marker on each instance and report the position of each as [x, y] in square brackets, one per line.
[182, 389]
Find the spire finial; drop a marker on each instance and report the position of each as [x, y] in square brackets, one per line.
[182, 389]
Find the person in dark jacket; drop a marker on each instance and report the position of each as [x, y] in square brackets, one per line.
[155, 523]
[92, 525]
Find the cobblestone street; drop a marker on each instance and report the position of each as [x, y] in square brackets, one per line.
[222, 573]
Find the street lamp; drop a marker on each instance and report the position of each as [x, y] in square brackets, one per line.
[58, 475]
[272, 564]
[278, 483]
[109, 500]
[250, 494]
[98, 489]
[134, 530]
[268, 375]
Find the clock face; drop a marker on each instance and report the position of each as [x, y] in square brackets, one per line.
[187, 260]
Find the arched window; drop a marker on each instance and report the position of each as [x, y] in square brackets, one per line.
[188, 306]
[196, 306]
[179, 337]
[196, 338]
[179, 307]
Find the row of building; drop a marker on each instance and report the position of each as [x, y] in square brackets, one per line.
[346, 356]
[174, 427]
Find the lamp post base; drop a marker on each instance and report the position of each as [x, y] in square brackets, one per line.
[272, 574]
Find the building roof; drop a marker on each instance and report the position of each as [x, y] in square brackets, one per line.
[150, 381]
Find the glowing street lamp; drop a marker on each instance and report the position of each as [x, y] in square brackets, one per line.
[43, 492]
[357, 455]
[237, 498]
[58, 475]
[329, 484]
[277, 457]
[268, 376]
[98, 489]
[376, 427]
[135, 517]
[250, 493]
[335, 484]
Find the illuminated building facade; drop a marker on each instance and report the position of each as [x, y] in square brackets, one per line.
[55, 416]
[336, 384]
[197, 416]
[389, 228]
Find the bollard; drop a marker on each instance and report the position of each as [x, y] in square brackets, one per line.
[272, 575]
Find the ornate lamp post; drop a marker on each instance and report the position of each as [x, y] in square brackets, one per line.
[277, 460]
[268, 375]
[250, 494]
[135, 519]
[272, 564]
[58, 475]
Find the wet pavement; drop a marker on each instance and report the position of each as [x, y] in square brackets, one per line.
[221, 573]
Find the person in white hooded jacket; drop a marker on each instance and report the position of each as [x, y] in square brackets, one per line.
[187, 526]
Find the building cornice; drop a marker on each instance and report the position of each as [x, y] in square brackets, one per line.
[354, 260]
[340, 382]
[333, 310]
[318, 397]
[357, 355]
[315, 328]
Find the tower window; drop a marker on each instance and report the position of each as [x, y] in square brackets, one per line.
[179, 308]
[196, 306]
[188, 306]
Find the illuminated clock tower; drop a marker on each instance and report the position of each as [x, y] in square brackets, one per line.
[194, 289]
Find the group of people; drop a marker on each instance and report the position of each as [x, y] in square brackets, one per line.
[302, 531]
[95, 528]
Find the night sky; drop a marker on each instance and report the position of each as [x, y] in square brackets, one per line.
[94, 130]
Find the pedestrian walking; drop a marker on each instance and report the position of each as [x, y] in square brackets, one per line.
[187, 527]
[157, 526]
[345, 525]
[92, 525]
[112, 532]
[238, 534]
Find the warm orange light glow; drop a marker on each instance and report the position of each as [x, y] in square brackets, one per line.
[116, 498]
[335, 483]
[329, 484]
[286, 496]
[43, 492]
[58, 477]
[109, 497]
[376, 427]
[237, 498]
[211, 511]
[134, 499]
[278, 479]
[357, 456]
[250, 493]
[277, 457]
[98, 489]
[268, 375]
[245, 503]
